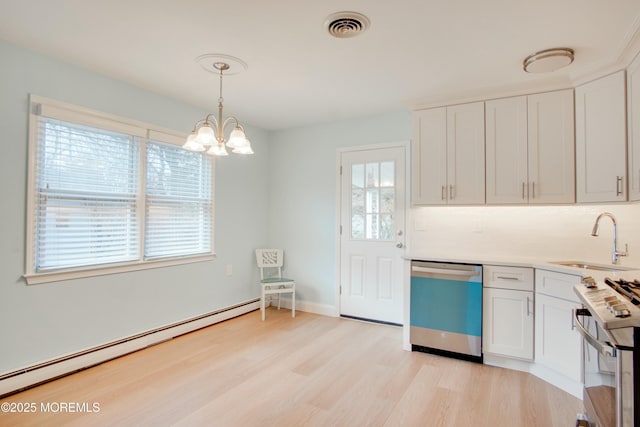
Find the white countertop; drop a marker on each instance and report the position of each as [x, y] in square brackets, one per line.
[539, 263]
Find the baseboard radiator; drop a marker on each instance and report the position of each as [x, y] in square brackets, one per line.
[31, 376]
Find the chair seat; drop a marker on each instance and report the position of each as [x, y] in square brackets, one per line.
[276, 280]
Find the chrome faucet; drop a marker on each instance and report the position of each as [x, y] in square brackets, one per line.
[616, 253]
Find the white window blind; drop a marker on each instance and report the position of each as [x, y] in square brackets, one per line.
[178, 202]
[85, 197]
[109, 194]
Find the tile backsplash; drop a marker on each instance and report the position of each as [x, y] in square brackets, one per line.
[551, 232]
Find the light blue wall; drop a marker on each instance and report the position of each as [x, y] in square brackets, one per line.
[39, 322]
[283, 196]
[303, 199]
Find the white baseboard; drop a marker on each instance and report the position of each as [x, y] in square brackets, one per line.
[36, 374]
[309, 307]
[506, 362]
[546, 374]
[554, 378]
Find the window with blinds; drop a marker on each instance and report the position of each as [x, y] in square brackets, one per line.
[178, 202]
[104, 192]
[86, 193]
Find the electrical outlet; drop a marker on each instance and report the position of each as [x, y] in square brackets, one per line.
[229, 270]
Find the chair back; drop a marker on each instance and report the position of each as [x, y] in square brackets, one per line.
[270, 263]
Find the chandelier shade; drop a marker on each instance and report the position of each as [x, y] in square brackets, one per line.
[209, 133]
[192, 145]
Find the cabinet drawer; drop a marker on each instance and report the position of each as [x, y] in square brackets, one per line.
[559, 285]
[518, 278]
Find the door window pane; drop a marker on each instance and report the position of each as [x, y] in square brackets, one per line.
[372, 175]
[387, 174]
[386, 227]
[357, 226]
[357, 202]
[373, 200]
[372, 226]
[387, 200]
[357, 176]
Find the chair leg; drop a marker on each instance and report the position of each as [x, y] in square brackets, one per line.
[278, 301]
[293, 303]
[262, 308]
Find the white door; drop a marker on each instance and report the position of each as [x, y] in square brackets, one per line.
[372, 233]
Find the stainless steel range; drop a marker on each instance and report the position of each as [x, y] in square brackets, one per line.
[610, 325]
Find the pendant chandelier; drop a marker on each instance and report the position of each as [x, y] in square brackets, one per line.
[208, 133]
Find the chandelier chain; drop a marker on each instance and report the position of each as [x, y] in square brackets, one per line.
[220, 98]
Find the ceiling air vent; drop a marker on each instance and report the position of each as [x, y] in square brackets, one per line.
[343, 25]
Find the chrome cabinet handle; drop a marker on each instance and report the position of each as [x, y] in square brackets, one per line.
[399, 245]
[443, 193]
[618, 186]
[528, 310]
[533, 190]
[450, 192]
[523, 198]
[506, 278]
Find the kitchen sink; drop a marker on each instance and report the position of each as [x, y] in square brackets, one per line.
[591, 266]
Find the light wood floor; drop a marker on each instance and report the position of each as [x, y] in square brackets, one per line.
[311, 370]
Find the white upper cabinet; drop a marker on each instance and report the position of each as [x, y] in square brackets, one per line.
[507, 175]
[530, 149]
[448, 155]
[465, 154]
[429, 157]
[601, 148]
[633, 128]
[551, 147]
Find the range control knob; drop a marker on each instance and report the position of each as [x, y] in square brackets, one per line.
[620, 310]
[611, 302]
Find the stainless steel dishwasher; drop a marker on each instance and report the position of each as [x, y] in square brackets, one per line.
[446, 309]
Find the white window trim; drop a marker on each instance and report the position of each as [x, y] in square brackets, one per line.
[146, 132]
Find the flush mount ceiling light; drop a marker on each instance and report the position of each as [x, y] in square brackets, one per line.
[208, 133]
[548, 60]
[344, 25]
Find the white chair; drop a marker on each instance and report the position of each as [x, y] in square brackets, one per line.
[270, 263]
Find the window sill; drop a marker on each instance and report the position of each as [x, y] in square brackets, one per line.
[56, 276]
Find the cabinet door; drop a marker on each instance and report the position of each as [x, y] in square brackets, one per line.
[429, 157]
[558, 345]
[551, 147]
[506, 162]
[601, 140]
[508, 323]
[633, 128]
[465, 154]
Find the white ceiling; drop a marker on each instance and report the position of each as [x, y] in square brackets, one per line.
[415, 51]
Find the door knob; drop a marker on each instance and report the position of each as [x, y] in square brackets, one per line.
[399, 245]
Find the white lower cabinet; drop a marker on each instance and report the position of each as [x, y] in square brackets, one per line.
[558, 344]
[508, 311]
[508, 324]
